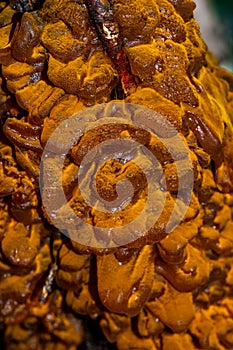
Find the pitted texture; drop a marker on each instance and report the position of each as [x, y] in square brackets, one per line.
[164, 291]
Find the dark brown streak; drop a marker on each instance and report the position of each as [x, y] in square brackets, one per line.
[102, 17]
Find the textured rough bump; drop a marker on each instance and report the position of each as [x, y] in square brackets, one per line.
[164, 291]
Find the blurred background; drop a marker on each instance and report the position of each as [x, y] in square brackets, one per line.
[215, 18]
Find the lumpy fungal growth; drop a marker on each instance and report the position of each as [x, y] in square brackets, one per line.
[156, 291]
